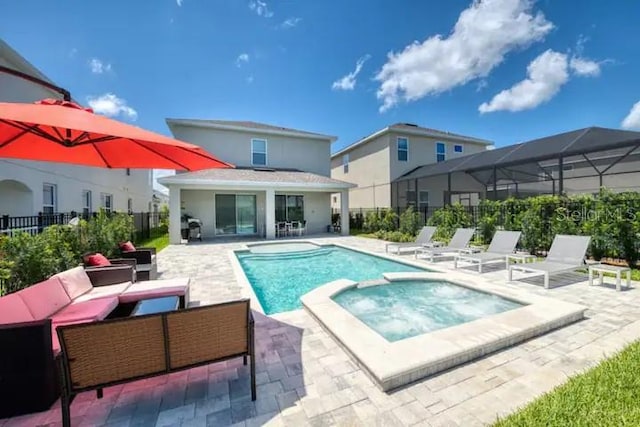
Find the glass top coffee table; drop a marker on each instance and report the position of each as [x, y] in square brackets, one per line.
[155, 305]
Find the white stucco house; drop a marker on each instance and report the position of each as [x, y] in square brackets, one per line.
[281, 175]
[30, 187]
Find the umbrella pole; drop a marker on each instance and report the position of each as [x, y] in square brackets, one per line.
[66, 95]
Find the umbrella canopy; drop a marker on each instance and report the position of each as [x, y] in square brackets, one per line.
[62, 131]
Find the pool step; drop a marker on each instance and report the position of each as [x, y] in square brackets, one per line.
[374, 282]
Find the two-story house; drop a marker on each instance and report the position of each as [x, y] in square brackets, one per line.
[375, 161]
[281, 175]
[29, 187]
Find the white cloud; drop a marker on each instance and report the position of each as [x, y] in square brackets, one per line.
[290, 23]
[632, 121]
[243, 58]
[485, 32]
[584, 67]
[348, 82]
[545, 76]
[261, 8]
[99, 67]
[112, 106]
[179, 3]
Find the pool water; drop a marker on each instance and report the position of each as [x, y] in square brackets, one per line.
[405, 309]
[280, 279]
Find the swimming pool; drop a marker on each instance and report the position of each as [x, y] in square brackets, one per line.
[280, 279]
[409, 308]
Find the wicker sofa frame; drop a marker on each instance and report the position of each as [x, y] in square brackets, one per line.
[28, 374]
[110, 352]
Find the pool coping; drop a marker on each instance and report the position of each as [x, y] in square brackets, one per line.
[394, 364]
[246, 290]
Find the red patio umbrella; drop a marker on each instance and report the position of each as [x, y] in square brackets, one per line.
[63, 131]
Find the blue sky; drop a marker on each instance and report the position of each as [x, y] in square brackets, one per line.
[503, 70]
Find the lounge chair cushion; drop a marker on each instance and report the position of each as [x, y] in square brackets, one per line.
[155, 289]
[97, 260]
[45, 298]
[103, 291]
[14, 310]
[75, 281]
[127, 247]
[92, 310]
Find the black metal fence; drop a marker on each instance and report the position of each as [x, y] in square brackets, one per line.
[143, 222]
[357, 215]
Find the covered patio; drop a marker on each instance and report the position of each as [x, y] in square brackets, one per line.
[251, 202]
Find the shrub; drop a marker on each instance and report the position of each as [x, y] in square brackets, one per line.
[31, 260]
[448, 219]
[488, 222]
[371, 222]
[394, 236]
[410, 221]
[388, 220]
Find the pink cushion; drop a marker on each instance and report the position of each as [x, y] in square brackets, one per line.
[155, 289]
[45, 298]
[75, 282]
[92, 310]
[14, 310]
[103, 291]
[97, 260]
[127, 247]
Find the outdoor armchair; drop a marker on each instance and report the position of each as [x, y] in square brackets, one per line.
[502, 244]
[566, 254]
[422, 239]
[458, 243]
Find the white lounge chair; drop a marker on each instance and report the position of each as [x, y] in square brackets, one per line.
[423, 239]
[566, 254]
[458, 243]
[503, 244]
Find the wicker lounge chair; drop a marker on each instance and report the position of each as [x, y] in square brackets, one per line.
[502, 244]
[566, 254]
[101, 354]
[423, 239]
[458, 243]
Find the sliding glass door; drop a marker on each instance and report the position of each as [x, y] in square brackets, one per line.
[289, 208]
[235, 214]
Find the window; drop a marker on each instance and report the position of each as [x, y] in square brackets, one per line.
[345, 163]
[423, 199]
[86, 203]
[411, 198]
[49, 198]
[458, 148]
[441, 152]
[107, 202]
[259, 152]
[289, 208]
[128, 172]
[403, 149]
[130, 205]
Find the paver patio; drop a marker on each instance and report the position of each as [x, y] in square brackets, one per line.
[305, 378]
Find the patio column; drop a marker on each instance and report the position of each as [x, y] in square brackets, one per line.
[175, 236]
[344, 212]
[270, 213]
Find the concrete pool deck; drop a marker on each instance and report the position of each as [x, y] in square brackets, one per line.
[306, 379]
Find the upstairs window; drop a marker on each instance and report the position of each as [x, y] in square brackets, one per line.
[441, 152]
[403, 149]
[259, 152]
[345, 163]
[458, 148]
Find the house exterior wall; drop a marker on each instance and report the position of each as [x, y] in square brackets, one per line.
[310, 155]
[70, 180]
[373, 166]
[201, 204]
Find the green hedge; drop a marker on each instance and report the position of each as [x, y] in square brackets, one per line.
[26, 259]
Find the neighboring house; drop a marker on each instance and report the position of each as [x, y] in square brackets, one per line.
[281, 175]
[159, 200]
[30, 187]
[375, 161]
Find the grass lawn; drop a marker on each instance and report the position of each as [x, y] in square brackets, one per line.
[607, 395]
[157, 240]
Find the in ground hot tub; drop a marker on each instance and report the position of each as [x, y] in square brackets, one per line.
[417, 324]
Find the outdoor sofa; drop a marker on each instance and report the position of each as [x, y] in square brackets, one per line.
[29, 319]
[102, 354]
[502, 244]
[145, 259]
[566, 254]
[422, 240]
[143, 271]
